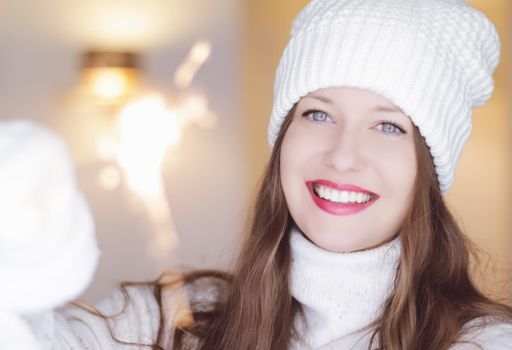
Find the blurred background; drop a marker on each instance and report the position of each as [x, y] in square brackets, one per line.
[164, 105]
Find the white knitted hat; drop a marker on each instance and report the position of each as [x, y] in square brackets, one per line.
[432, 58]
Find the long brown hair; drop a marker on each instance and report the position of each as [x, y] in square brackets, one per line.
[430, 307]
[258, 290]
[433, 298]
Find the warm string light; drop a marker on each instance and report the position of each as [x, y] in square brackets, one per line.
[145, 131]
[197, 56]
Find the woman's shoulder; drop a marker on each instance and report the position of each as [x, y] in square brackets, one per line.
[486, 333]
[134, 313]
[130, 314]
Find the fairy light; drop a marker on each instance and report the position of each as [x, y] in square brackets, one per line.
[194, 109]
[147, 130]
[197, 56]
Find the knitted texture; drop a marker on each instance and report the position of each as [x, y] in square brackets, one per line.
[340, 293]
[432, 58]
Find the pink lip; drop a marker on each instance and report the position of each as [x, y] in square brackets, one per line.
[339, 208]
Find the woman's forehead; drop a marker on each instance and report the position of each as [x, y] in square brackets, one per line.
[353, 97]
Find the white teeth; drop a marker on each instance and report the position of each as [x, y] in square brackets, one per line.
[322, 192]
[341, 196]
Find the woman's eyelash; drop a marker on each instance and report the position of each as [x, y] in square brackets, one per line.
[399, 127]
[310, 112]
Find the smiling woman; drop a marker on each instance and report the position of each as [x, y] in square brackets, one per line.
[351, 157]
[350, 244]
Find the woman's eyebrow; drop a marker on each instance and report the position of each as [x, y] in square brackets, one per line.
[387, 109]
[321, 98]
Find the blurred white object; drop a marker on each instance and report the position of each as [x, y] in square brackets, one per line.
[48, 251]
[16, 334]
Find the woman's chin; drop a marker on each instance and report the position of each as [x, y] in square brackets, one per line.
[338, 243]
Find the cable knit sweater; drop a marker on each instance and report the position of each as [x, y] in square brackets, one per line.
[340, 292]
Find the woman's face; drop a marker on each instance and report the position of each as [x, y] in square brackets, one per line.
[348, 167]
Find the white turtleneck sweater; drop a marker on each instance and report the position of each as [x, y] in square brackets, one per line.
[340, 293]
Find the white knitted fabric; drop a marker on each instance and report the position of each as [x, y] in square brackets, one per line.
[16, 334]
[48, 251]
[340, 292]
[432, 58]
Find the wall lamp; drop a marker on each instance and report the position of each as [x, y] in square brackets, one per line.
[111, 77]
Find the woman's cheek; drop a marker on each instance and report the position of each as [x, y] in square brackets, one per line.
[387, 150]
[397, 162]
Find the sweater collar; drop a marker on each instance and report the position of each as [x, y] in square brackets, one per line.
[339, 292]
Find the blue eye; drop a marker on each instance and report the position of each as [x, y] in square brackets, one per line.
[316, 116]
[390, 128]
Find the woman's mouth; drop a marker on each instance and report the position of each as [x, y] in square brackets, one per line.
[340, 199]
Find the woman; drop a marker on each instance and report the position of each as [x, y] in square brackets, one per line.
[351, 244]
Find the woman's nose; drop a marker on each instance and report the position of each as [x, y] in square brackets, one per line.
[345, 152]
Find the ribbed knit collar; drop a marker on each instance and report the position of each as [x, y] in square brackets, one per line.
[340, 292]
